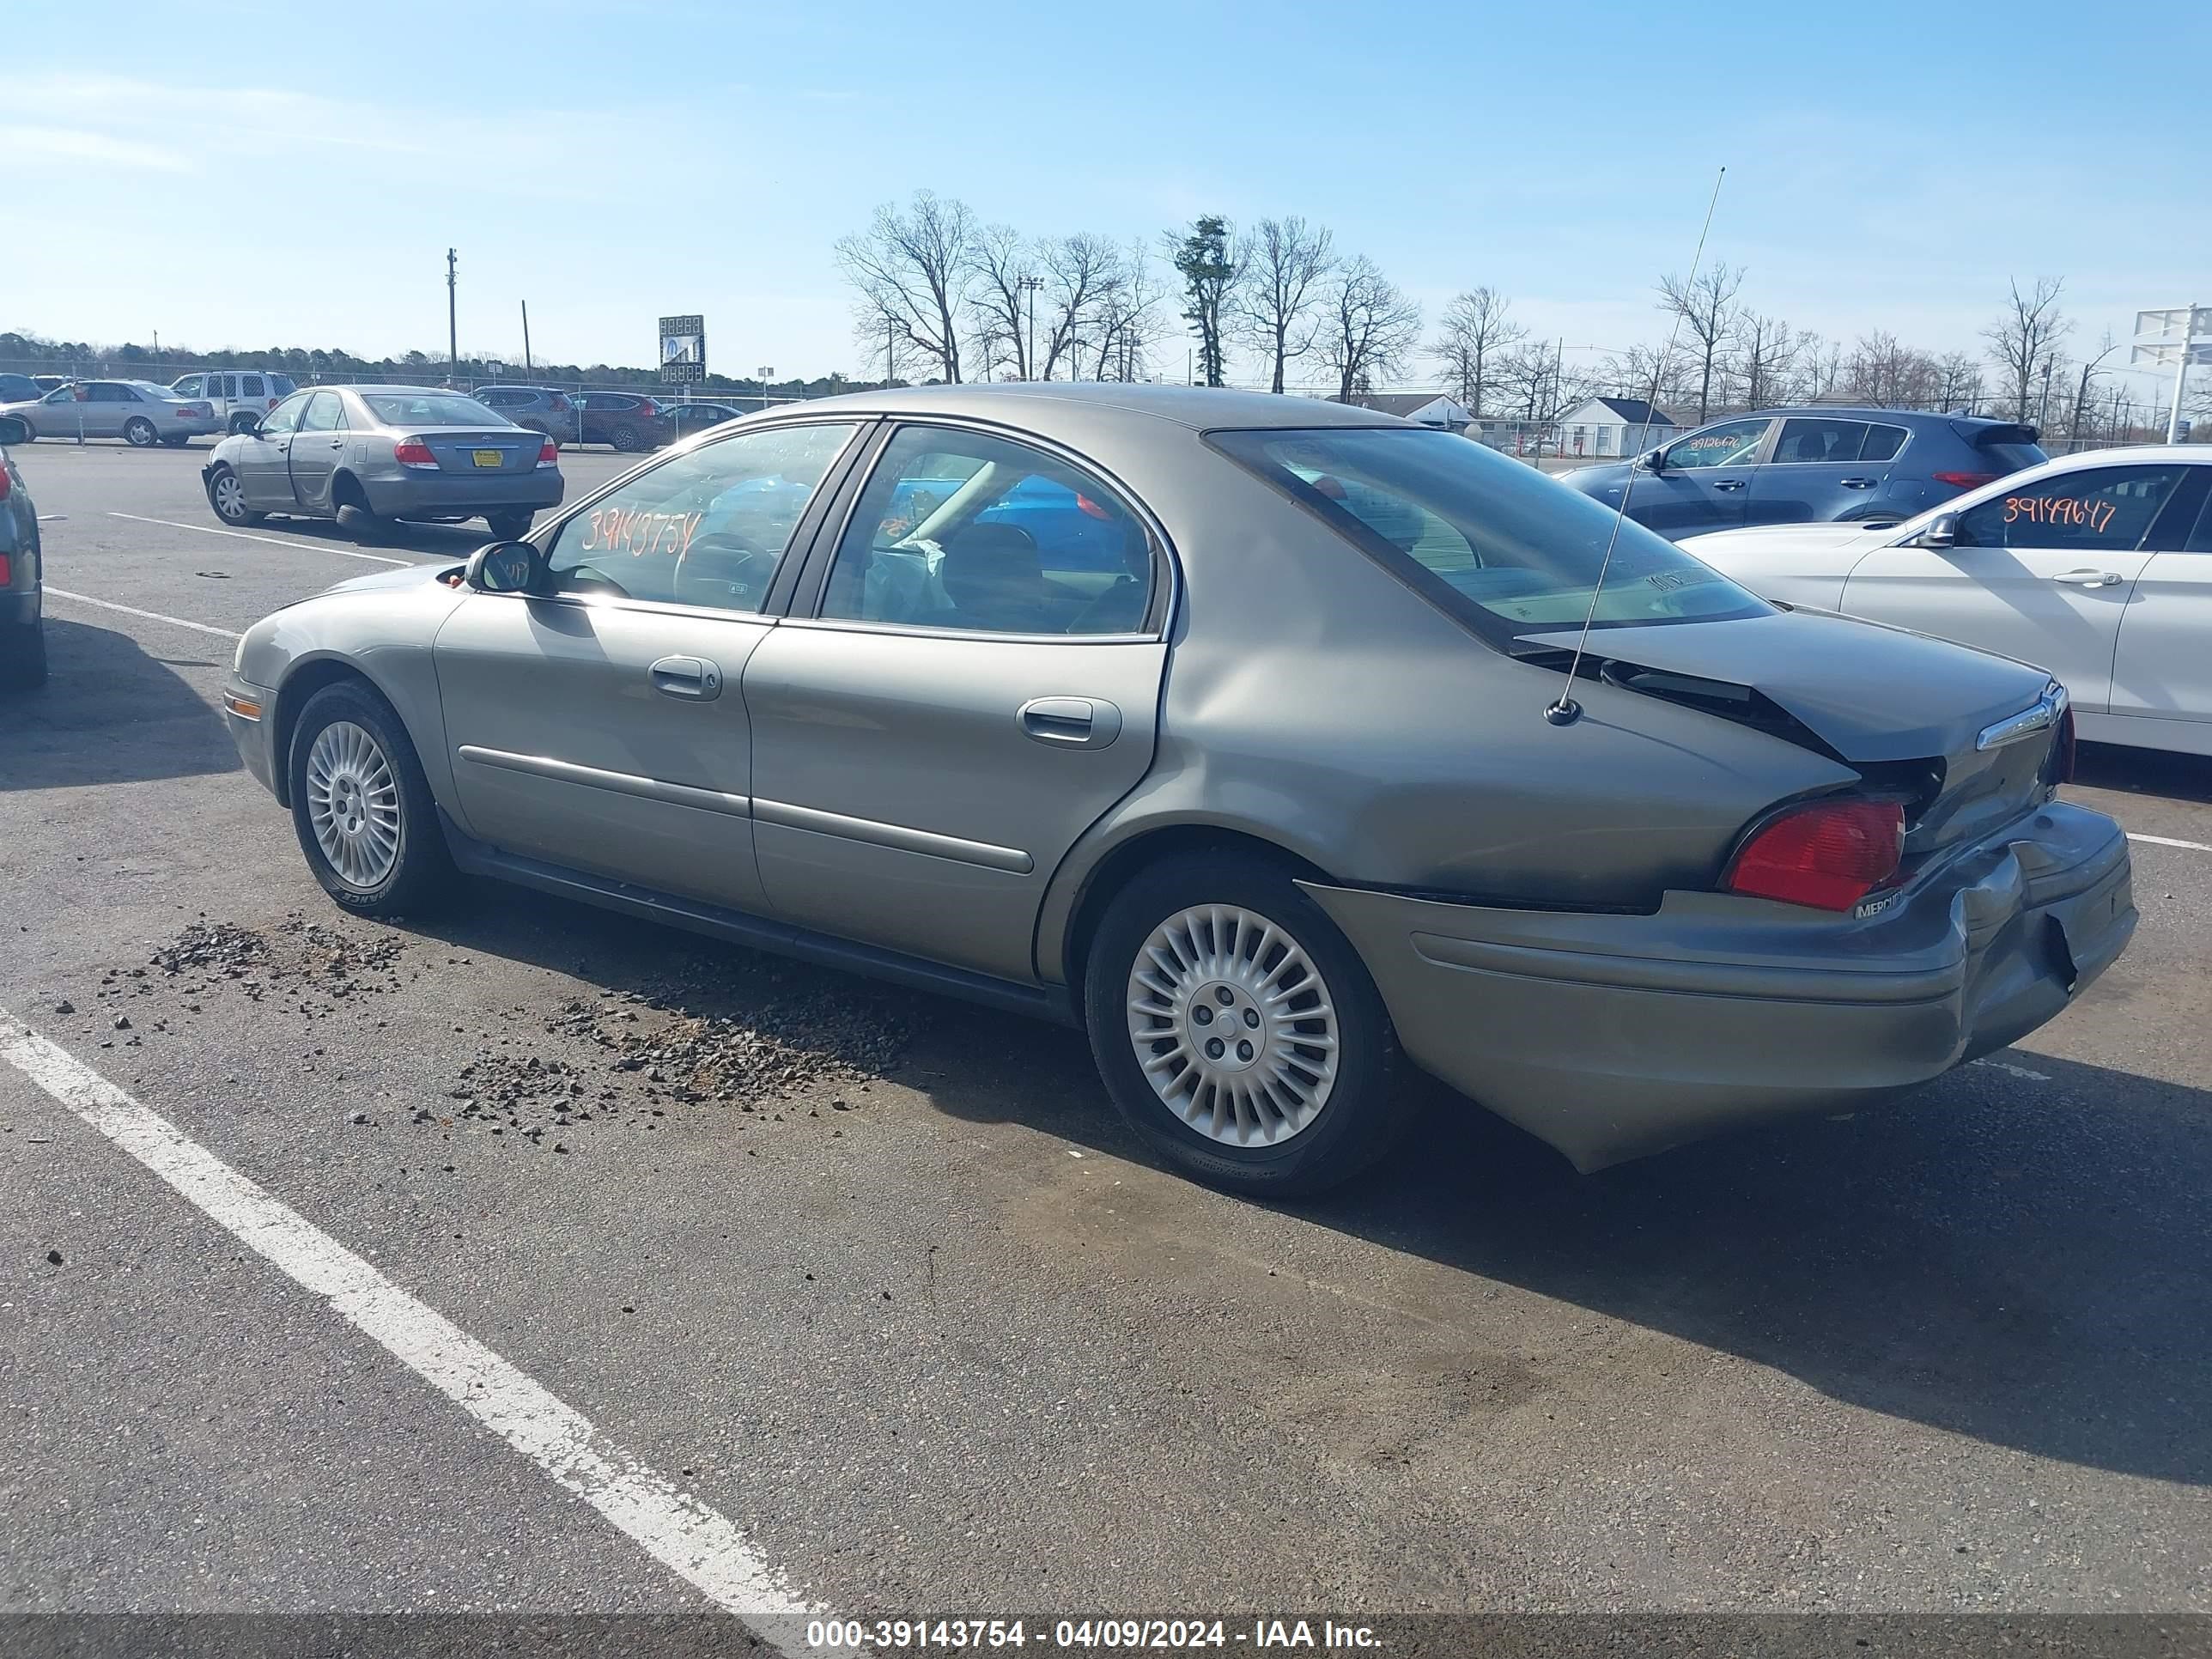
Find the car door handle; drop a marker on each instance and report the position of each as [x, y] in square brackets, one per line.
[1856, 483]
[1070, 722]
[1728, 484]
[2088, 578]
[693, 679]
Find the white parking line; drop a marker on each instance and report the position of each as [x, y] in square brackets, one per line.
[273, 541]
[697, 1543]
[2010, 1070]
[133, 610]
[2169, 840]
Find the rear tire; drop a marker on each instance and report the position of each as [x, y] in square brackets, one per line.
[361, 806]
[138, 432]
[1307, 1090]
[509, 526]
[627, 440]
[355, 517]
[23, 658]
[226, 494]
[176, 443]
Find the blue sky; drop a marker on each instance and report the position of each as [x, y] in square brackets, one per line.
[231, 173]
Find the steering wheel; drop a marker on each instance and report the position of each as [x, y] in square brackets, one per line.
[584, 579]
[719, 569]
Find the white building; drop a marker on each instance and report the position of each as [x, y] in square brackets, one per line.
[1614, 426]
[1435, 409]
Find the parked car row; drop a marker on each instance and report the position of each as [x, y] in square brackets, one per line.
[139, 412]
[1253, 736]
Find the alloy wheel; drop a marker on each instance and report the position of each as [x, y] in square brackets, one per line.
[1233, 1025]
[353, 804]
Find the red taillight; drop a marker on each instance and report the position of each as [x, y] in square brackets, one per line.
[6, 570]
[1966, 480]
[413, 452]
[1830, 855]
[5, 486]
[549, 453]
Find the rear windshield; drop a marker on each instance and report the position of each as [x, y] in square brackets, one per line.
[2010, 447]
[1489, 539]
[429, 409]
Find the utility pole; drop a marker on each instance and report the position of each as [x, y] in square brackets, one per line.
[525, 338]
[890, 350]
[764, 371]
[452, 329]
[1029, 286]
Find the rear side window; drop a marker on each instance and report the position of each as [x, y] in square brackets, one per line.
[324, 413]
[960, 529]
[1882, 443]
[708, 527]
[282, 385]
[1487, 539]
[1808, 439]
[2111, 508]
[249, 385]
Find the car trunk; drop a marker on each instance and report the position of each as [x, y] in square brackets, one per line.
[1907, 712]
[458, 449]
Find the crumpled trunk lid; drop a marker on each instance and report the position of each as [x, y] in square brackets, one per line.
[1906, 710]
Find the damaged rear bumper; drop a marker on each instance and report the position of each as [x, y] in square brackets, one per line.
[1610, 1036]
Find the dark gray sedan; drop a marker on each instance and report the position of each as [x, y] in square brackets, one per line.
[365, 455]
[1249, 733]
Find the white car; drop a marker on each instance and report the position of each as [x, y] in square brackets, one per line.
[2097, 567]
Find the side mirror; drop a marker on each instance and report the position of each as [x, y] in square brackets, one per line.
[251, 426]
[1942, 531]
[1652, 460]
[506, 567]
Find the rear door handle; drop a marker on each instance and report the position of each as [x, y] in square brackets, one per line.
[1070, 722]
[693, 679]
[1728, 484]
[1856, 483]
[2088, 578]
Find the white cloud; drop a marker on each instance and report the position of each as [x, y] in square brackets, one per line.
[99, 149]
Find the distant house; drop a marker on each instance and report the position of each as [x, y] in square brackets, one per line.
[1434, 409]
[1614, 426]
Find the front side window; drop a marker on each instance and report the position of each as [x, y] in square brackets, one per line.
[706, 527]
[1807, 440]
[961, 531]
[2110, 508]
[1487, 539]
[324, 413]
[285, 417]
[1732, 443]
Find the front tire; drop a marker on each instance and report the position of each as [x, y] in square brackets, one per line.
[23, 658]
[1239, 1032]
[361, 805]
[226, 494]
[138, 432]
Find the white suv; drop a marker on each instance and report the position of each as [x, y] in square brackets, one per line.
[238, 395]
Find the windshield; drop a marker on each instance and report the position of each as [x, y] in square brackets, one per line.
[429, 409]
[1489, 539]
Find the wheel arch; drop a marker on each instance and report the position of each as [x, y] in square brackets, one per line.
[302, 679]
[1064, 943]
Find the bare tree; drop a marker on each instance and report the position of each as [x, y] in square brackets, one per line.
[1080, 272]
[2105, 348]
[1129, 321]
[883, 340]
[1278, 306]
[999, 261]
[1205, 256]
[1767, 350]
[1958, 381]
[1883, 371]
[2024, 341]
[1706, 304]
[1820, 367]
[1372, 328]
[1473, 333]
[913, 268]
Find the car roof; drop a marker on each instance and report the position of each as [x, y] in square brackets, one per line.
[1036, 403]
[1866, 412]
[2127, 455]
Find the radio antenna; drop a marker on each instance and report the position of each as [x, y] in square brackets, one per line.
[1566, 711]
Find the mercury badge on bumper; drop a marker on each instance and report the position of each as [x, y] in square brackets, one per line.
[1216, 724]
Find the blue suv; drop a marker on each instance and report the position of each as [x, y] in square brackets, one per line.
[1804, 466]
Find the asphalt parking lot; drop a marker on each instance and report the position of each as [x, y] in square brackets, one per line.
[878, 1281]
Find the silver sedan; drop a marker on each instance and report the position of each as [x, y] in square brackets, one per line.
[139, 412]
[1253, 735]
[368, 455]
[2097, 567]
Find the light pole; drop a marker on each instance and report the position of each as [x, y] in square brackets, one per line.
[452, 329]
[1029, 285]
[764, 371]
